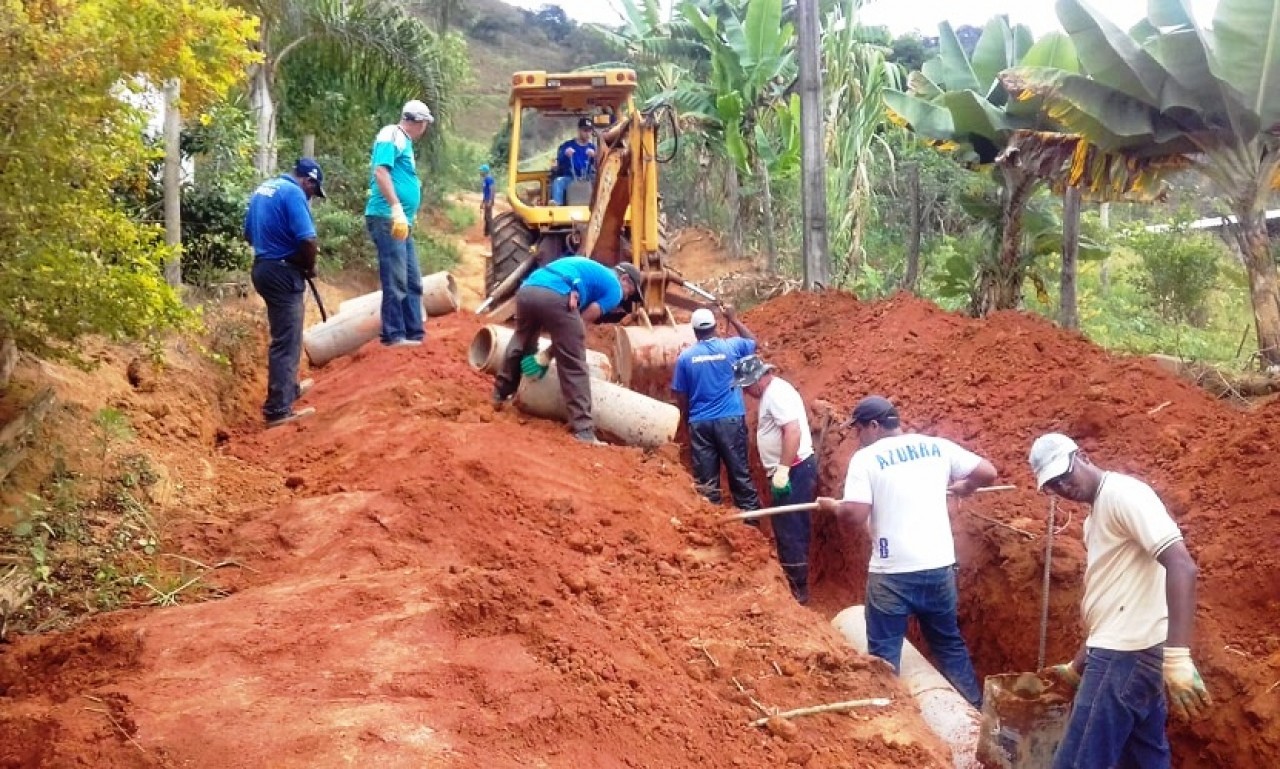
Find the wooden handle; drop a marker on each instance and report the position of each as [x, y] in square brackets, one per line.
[803, 506]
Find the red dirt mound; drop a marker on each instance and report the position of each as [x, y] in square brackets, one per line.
[994, 385]
[435, 584]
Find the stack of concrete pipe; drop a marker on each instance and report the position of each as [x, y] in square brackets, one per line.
[359, 320]
[629, 417]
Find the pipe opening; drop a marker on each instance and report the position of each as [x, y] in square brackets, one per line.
[481, 348]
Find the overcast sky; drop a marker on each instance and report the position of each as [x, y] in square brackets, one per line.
[924, 15]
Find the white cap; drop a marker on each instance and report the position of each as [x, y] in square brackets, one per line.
[1051, 456]
[417, 112]
[703, 319]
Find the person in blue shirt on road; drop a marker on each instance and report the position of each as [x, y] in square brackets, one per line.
[560, 299]
[278, 225]
[486, 198]
[704, 387]
[394, 195]
[575, 159]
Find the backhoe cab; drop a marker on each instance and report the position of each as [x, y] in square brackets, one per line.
[609, 213]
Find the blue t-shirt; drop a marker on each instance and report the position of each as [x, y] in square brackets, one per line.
[595, 283]
[577, 165]
[704, 373]
[393, 149]
[278, 219]
[488, 188]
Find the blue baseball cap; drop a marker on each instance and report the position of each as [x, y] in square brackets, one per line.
[310, 169]
[484, 169]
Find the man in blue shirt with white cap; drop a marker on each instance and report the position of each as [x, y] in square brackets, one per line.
[279, 227]
[713, 407]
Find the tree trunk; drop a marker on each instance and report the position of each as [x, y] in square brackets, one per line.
[733, 197]
[1068, 312]
[813, 174]
[1264, 287]
[309, 146]
[1000, 286]
[770, 244]
[264, 109]
[914, 224]
[173, 181]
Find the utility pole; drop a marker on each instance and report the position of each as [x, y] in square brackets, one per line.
[813, 172]
[173, 181]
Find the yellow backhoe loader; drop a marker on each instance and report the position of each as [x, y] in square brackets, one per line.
[609, 216]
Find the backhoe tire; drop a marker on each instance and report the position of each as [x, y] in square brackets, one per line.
[510, 242]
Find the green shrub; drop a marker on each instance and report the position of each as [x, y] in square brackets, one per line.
[341, 239]
[1176, 271]
[461, 218]
[436, 252]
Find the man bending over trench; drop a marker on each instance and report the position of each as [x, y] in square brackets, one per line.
[1139, 611]
[899, 482]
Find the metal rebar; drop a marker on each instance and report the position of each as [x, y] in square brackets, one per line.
[1044, 588]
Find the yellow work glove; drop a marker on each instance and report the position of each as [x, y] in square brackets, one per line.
[399, 223]
[780, 483]
[1066, 672]
[1188, 697]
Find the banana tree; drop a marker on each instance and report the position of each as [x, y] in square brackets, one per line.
[377, 29]
[1171, 90]
[959, 104]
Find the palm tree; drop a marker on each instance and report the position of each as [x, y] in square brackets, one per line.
[1174, 92]
[378, 30]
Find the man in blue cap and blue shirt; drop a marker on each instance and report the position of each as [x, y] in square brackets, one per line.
[394, 195]
[713, 407]
[898, 483]
[278, 225]
[486, 198]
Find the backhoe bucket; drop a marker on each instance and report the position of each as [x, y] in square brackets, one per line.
[645, 358]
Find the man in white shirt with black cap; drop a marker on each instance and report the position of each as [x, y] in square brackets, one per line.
[1139, 613]
[898, 483]
[786, 451]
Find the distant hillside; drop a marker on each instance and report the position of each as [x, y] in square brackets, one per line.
[503, 39]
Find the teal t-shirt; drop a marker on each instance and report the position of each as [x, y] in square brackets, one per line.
[392, 148]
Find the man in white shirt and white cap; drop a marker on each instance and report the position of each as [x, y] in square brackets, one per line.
[786, 451]
[1139, 613]
[713, 407]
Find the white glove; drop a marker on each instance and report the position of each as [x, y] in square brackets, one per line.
[781, 480]
[399, 223]
[1188, 697]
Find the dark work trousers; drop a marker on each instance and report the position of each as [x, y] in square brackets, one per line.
[791, 530]
[280, 285]
[488, 218]
[723, 440]
[541, 309]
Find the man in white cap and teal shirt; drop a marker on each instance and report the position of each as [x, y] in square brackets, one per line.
[898, 482]
[1139, 612]
[394, 194]
[713, 407]
[786, 451]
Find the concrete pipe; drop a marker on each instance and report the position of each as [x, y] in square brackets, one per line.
[946, 713]
[617, 412]
[341, 335]
[646, 357]
[439, 297]
[490, 344]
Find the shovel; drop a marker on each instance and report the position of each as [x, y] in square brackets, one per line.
[802, 506]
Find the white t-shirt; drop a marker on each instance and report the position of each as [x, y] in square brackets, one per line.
[779, 405]
[904, 478]
[1124, 604]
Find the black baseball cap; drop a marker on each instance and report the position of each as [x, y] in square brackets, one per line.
[874, 408]
[585, 122]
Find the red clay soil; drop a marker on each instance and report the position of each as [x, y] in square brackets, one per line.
[994, 385]
[434, 584]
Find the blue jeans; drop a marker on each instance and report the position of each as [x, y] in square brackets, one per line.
[559, 186]
[931, 596]
[791, 531]
[401, 282]
[281, 286]
[1118, 718]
